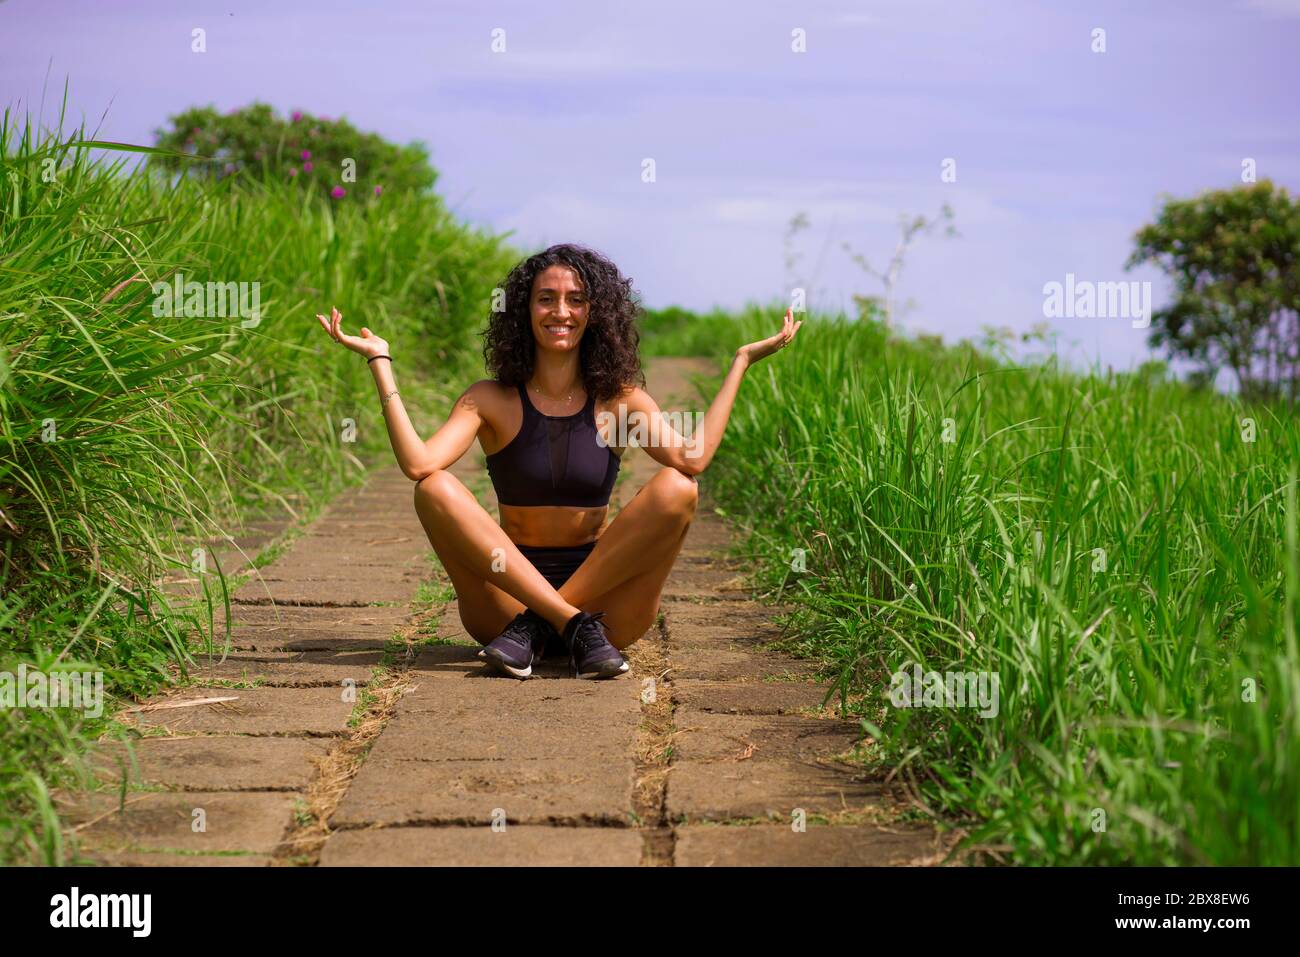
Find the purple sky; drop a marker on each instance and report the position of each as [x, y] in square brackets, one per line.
[1061, 152]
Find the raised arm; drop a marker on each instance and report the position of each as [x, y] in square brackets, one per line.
[415, 456]
[691, 456]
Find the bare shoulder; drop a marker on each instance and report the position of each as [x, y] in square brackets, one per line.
[487, 396]
[497, 407]
[633, 397]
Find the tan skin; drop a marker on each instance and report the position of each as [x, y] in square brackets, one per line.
[625, 573]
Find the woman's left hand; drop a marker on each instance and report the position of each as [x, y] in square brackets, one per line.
[765, 347]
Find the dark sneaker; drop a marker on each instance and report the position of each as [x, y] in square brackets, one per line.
[514, 651]
[590, 653]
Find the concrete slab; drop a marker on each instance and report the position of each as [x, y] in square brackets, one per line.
[163, 859]
[567, 726]
[263, 641]
[345, 551]
[728, 767]
[747, 613]
[556, 790]
[384, 619]
[273, 628]
[232, 821]
[726, 663]
[725, 737]
[720, 791]
[776, 845]
[216, 763]
[749, 697]
[704, 581]
[259, 711]
[468, 694]
[452, 661]
[718, 624]
[369, 527]
[515, 846]
[301, 669]
[707, 532]
[311, 563]
[340, 593]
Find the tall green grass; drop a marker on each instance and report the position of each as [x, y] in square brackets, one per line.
[1113, 547]
[126, 436]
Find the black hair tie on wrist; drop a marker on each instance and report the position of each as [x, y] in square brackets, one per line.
[373, 358]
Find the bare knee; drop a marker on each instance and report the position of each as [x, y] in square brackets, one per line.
[437, 490]
[627, 633]
[678, 492]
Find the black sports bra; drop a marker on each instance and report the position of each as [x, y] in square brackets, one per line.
[554, 460]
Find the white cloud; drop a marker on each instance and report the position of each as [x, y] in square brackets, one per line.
[857, 19]
[1275, 8]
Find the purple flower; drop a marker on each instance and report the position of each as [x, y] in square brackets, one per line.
[307, 167]
[297, 115]
[338, 192]
[230, 168]
[306, 154]
[293, 171]
[379, 190]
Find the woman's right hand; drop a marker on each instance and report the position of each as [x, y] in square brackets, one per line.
[368, 344]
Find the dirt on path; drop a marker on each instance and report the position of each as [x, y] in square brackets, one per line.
[352, 724]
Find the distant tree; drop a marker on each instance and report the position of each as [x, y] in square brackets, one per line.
[1234, 257]
[1153, 370]
[256, 141]
[999, 341]
[870, 308]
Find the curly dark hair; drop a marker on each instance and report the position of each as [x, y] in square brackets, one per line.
[608, 353]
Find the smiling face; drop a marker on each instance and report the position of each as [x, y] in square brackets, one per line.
[559, 309]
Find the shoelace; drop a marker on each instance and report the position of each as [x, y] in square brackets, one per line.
[587, 637]
[519, 632]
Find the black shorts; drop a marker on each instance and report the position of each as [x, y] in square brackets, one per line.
[557, 564]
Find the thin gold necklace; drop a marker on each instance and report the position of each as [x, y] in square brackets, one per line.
[552, 398]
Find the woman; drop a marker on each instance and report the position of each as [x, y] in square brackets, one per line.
[552, 576]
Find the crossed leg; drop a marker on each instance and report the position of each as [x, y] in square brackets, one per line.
[623, 576]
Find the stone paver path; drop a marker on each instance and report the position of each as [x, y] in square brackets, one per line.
[360, 728]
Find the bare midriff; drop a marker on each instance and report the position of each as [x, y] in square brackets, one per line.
[557, 526]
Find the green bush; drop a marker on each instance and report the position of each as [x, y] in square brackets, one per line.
[330, 156]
